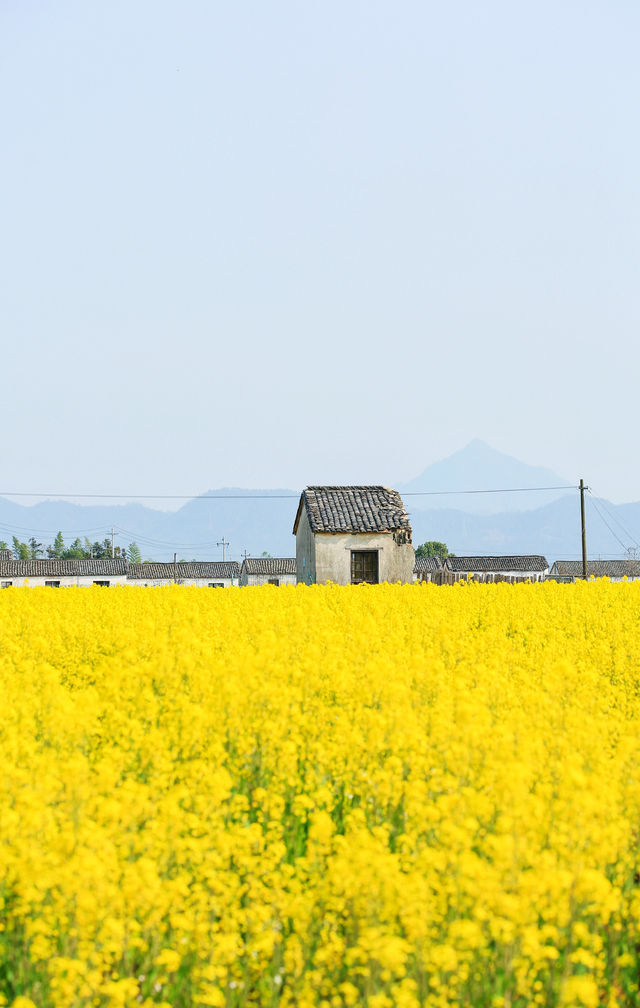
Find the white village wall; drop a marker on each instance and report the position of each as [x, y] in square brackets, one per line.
[65, 582]
[195, 582]
[255, 580]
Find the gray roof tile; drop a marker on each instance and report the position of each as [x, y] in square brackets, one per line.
[187, 571]
[427, 565]
[62, 568]
[496, 563]
[353, 509]
[269, 565]
[597, 568]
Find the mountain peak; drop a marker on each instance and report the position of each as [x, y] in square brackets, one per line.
[480, 467]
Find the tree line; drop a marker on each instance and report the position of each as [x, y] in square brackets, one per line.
[78, 550]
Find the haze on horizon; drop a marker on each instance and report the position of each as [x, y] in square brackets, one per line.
[276, 245]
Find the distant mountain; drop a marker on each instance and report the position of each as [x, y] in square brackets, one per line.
[252, 520]
[480, 467]
[553, 530]
[262, 520]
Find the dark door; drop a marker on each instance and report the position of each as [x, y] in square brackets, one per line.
[364, 566]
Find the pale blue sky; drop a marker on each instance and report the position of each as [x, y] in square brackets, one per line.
[272, 244]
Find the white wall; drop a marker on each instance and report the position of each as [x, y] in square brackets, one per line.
[254, 580]
[326, 556]
[65, 582]
[196, 582]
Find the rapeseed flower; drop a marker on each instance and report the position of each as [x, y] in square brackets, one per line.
[396, 796]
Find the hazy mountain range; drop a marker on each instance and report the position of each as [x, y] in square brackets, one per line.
[543, 521]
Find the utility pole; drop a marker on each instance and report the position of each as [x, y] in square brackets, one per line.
[175, 568]
[245, 553]
[224, 545]
[584, 533]
[112, 535]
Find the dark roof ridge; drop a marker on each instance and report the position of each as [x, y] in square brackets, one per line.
[508, 561]
[367, 508]
[164, 570]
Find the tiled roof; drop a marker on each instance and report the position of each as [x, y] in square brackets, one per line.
[269, 565]
[501, 563]
[62, 568]
[353, 509]
[597, 568]
[188, 571]
[427, 565]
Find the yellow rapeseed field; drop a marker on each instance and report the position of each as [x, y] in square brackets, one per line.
[382, 796]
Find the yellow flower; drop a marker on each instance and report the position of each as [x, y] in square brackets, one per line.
[324, 795]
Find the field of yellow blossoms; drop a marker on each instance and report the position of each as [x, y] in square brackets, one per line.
[381, 796]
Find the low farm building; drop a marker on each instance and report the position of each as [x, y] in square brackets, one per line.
[61, 573]
[426, 568]
[615, 570]
[201, 573]
[495, 568]
[268, 570]
[351, 535]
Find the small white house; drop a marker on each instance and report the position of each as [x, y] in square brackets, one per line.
[352, 535]
[202, 573]
[61, 573]
[615, 570]
[268, 570]
[488, 568]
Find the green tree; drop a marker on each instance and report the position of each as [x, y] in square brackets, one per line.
[35, 548]
[75, 551]
[103, 549]
[3, 545]
[97, 550]
[134, 553]
[433, 549]
[20, 549]
[57, 551]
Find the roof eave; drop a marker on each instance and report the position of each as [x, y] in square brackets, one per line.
[298, 513]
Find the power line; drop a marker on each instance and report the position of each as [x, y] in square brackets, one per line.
[293, 496]
[618, 522]
[612, 531]
[154, 544]
[151, 541]
[437, 493]
[40, 531]
[141, 497]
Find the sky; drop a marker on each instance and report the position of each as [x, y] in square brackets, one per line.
[278, 244]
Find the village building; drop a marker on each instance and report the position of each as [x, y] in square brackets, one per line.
[201, 573]
[60, 573]
[496, 568]
[426, 568]
[616, 570]
[351, 535]
[268, 570]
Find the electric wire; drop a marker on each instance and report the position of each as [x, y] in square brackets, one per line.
[53, 532]
[618, 522]
[150, 541]
[292, 496]
[612, 531]
[153, 543]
